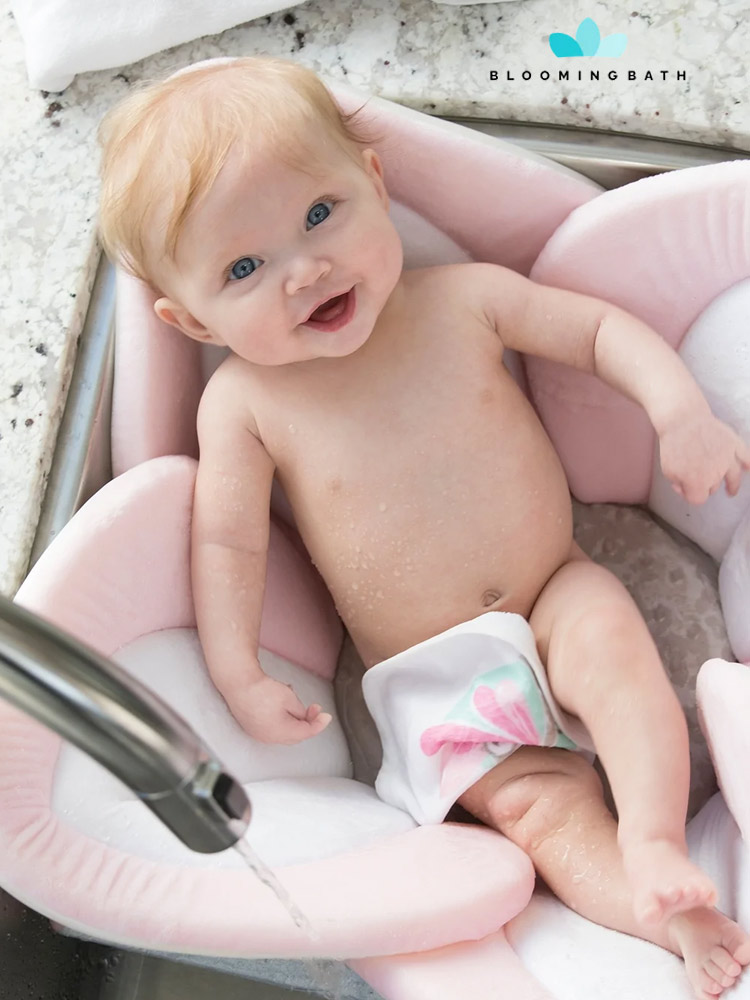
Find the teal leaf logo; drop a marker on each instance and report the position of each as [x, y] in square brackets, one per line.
[563, 45]
[587, 42]
[613, 45]
[588, 37]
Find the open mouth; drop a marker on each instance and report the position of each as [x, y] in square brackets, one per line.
[333, 313]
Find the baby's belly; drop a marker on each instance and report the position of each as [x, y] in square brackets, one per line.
[410, 563]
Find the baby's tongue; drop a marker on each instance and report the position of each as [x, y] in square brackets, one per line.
[329, 309]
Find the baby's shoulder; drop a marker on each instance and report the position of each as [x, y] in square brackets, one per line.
[229, 393]
[468, 281]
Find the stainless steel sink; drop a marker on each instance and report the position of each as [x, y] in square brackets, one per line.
[39, 963]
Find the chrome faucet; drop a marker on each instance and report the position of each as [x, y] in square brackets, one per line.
[99, 707]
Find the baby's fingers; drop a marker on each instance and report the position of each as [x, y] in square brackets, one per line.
[733, 478]
[317, 718]
[319, 724]
[694, 493]
[297, 730]
[743, 454]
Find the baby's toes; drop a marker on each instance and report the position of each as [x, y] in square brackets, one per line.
[701, 891]
[725, 962]
[737, 943]
[722, 978]
[708, 986]
[707, 894]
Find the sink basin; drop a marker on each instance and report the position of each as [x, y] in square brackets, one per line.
[82, 465]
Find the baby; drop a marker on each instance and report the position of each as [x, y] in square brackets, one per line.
[379, 399]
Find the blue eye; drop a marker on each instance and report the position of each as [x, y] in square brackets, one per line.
[318, 213]
[243, 267]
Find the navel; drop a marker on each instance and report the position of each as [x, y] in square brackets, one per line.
[490, 597]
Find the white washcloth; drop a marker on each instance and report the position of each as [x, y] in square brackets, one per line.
[65, 37]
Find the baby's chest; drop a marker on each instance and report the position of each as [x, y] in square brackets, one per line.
[447, 442]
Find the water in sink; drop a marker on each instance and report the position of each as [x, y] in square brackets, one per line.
[326, 976]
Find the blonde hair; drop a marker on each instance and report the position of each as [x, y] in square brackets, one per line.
[164, 145]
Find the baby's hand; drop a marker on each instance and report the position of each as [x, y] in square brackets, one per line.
[271, 712]
[698, 453]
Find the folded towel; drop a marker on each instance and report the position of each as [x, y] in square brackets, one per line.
[65, 37]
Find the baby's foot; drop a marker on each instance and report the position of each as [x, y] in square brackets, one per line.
[714, 948]
[664, 881]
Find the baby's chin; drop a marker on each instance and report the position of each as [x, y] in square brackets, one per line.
[311, 353]
[340, 344]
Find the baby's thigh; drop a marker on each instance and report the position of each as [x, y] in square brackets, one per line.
[533, 792]
[590, 633]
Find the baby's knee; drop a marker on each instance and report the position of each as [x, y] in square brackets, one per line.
[530, 807]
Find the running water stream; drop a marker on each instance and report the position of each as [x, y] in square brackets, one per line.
[326, 976]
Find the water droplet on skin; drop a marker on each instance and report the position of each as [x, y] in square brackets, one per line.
[383, 507]
[292, 429]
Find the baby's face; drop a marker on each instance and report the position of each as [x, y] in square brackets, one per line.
[270, 244]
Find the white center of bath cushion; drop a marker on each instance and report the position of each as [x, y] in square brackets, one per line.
[295, 820]
[576, 959]
[171, 663]
[305, 806]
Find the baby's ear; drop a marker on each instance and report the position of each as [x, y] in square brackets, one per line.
[176, 315]
[374, 167]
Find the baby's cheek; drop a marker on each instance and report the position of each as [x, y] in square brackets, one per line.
[387, 257]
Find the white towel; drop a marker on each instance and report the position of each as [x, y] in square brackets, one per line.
[65, 37]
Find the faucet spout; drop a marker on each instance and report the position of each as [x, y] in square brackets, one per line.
[96, 705]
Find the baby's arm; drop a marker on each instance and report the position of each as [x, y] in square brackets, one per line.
[697, 450]
[229, 547]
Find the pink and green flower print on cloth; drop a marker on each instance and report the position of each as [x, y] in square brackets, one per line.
[503, 709]
[453, 706]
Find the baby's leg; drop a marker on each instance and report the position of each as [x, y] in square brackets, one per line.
[603, 667]
[550, 803]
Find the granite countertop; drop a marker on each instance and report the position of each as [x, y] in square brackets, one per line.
[682, 76]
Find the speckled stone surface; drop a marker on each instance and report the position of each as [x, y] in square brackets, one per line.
[430, 56]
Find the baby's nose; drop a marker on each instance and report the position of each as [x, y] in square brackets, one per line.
[305, 271]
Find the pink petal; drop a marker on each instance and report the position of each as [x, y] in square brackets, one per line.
[459, 772]
[462, 738]
[509, 713]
